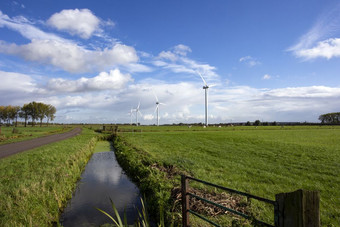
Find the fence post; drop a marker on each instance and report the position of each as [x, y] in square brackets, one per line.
[298, 209]
[185, 201]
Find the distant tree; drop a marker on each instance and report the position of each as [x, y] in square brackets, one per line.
[25, 113]
[257, 122]
[42, 110]
[6, 114]
[50, 114]
[34, 112]
[274, 123]
[13, 113]
[2, 110]
[248, 123]
[330, 118]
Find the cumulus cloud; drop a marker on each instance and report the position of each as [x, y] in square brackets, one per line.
[104, 81]
[47, 48]
[250, 61]
[324, 49]
[112, 93]
[77, 22]
[14, 82]
[71, 57]
[266, 77]
[148, 117]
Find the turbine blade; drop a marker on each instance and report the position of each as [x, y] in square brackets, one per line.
[202, 78]
[213, 85]
[138, 106]
[162, 103]
[156, 109]
[140, 113]
[155, 95]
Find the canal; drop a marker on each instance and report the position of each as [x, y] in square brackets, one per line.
[102, 179]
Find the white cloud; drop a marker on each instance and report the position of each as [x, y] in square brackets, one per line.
[325, 49]
[77, 22]
[177, 61]
[26, 28]
[266, 77]
[182, 49]
[14, 82]
[250, 61]
[71, 57]
[47, 48]
[104, 81]
[114, 97]
[148, 117]
[319, 41]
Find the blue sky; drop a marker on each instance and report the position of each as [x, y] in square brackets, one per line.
[95, 60]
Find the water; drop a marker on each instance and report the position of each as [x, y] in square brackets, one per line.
[102, 179]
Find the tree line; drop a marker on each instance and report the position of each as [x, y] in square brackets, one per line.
[33, 110]
[330, 118]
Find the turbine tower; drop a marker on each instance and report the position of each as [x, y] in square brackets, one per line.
[157, 107]
[137, 112]
[205, 87]
[131, 114]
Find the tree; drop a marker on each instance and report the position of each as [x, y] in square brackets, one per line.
[41, 111]
[50, 114]
[25, 113]
[2, 110]
[5, 114]
[257, 122]
[13, 113]
[330, 118]
[33, 111]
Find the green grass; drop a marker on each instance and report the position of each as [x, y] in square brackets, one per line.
[102, 146]
[263, 161]
[35, 185]
[25, 133]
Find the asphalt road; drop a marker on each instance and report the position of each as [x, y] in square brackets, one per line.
[14, 148]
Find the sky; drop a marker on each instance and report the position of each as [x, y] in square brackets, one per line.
[96, 60]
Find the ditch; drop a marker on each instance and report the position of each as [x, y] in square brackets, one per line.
[102, 179]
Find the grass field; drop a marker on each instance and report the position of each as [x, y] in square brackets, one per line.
[263, 161]
[35, 185]
[20, 133]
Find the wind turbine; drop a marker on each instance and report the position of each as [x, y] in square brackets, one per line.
[131, 114]
[157, 107]
[137, 112]
[205, 87]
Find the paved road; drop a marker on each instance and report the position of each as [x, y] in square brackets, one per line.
[14, 148]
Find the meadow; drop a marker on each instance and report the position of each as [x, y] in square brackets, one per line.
[35, 185]
[263, 161]
[20, 133]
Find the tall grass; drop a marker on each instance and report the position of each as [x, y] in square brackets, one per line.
[262, 161]
[16, 134]
[36, 185]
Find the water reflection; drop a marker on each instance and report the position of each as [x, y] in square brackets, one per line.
[102, 179]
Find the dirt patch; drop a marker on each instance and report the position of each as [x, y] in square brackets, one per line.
[228, 200]
[170, 170]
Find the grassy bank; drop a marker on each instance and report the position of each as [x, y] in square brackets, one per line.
[16, 134]
[263, 161]
[35, 185]
[152, 183]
